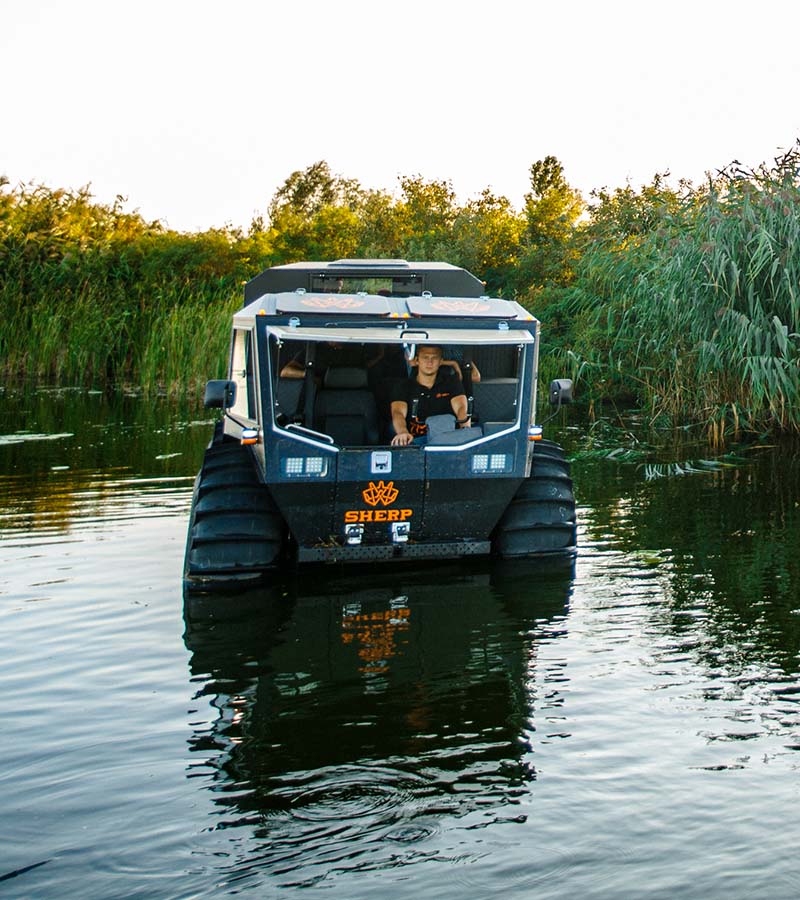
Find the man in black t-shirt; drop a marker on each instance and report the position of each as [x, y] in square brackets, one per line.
[432, 392]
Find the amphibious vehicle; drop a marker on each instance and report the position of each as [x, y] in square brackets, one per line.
[301, 467]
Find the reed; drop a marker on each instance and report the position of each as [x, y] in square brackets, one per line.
[698, 314]
[185, 345]
[91, 294]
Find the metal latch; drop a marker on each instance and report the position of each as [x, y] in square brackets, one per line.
[354, 533]
[380, 462]
[399, 532]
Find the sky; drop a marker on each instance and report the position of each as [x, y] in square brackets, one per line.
[196, 112]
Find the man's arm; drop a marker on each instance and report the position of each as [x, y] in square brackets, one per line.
[459, 404]
[292, 369]
[296, 367]
[402, 435]
[475, 373]
[454, 366]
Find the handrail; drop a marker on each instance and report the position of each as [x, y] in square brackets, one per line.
[317, 434]
[412, 331]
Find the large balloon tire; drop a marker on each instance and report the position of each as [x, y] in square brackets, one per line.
[236, 532]
[540, 520]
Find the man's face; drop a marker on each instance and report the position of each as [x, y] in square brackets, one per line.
[428, 360]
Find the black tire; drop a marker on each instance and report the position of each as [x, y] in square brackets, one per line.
[540, 520]
[236, 532]
[549, 448]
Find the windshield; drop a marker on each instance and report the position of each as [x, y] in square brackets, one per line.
[397, 286]
[310, 378]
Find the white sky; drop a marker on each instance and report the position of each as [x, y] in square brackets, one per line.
[198, 111]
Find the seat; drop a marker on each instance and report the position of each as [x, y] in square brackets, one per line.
[288, 393]
[495, 399]
[345, 409]
[494, 361]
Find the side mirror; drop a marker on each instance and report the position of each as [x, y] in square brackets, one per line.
[220, 393]
[560, 391]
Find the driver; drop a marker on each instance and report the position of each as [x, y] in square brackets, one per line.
[432, 391]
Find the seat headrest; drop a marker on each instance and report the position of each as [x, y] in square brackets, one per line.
[346, 378]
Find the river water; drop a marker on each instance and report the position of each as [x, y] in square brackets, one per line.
[627, 727]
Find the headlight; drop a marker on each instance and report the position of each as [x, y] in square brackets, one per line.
[491, 462]
[298, 466]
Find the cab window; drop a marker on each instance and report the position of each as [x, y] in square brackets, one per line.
[243, 373]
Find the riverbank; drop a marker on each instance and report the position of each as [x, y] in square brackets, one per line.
[680, 301]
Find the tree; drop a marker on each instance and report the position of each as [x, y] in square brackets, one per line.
[383, 231]
[314, 215]
[306, 192]
[488, 233]
[626, 216]
[427, 211]
[552, 210]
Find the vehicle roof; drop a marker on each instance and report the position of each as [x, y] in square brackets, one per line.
[370, 310]
[440, 278]
[436, 335]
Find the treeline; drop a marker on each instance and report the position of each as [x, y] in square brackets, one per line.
[92, 292]
[683, 300]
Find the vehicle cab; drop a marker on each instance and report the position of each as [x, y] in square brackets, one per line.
[319, 351]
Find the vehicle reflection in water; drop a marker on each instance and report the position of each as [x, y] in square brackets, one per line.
[351, 722]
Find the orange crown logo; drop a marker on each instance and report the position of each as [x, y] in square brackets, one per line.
[384, 493]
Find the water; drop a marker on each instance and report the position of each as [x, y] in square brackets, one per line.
[629, 728]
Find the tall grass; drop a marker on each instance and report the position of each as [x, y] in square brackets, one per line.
[698, 315]
[185, 346]
[90, 293]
